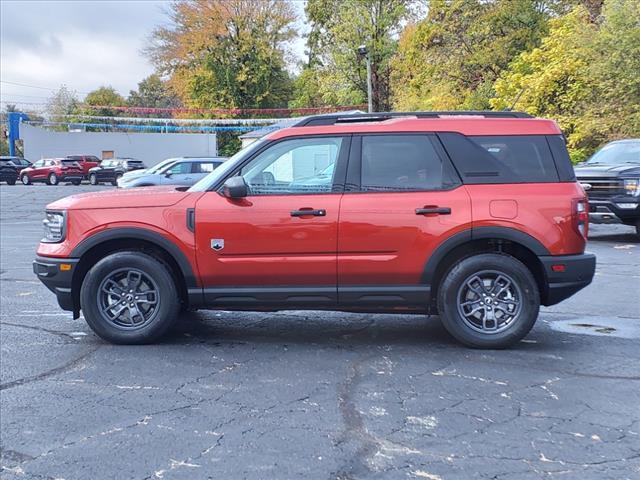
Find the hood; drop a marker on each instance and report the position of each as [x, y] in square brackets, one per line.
[604, 170]
[138, 198]
[134, 173]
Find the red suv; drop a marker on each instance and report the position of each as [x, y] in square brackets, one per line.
[52, 171]
[86, 162]
[475, 216]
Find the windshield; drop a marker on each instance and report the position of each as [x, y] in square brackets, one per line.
[617, 154]
[161, 165]
[226, 167]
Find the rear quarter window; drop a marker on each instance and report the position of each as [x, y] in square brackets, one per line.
[501, 158]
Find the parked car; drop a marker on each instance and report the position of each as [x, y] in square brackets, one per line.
[19, 162]
[8, 172]
[611, 178]
[478, 218]
[112, 169]
[52, 171]
[86, 162]
[184, 171]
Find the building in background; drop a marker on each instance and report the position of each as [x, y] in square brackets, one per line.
[151, 148]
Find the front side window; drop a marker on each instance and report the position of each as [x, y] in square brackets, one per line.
[39, 163]
[402, 163]
[305, 165]
[179, 168]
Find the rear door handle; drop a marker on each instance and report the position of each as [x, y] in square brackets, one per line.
[433, 211]
[304, 212]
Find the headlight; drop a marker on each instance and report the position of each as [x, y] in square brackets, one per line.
[55, 226]
[632, 186]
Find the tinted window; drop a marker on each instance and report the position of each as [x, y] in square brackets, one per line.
[402, 163]
[302, 165]
[69, 163]
[501, 158]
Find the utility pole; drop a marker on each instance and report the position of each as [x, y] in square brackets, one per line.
[363, 52]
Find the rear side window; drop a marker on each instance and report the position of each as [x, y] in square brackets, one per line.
[501, 158]
[402, 163]
[203, 167]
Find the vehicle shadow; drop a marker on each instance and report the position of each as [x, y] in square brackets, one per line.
[303, 327]
[329, 329]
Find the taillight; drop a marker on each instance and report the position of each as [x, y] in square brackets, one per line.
[580, 213]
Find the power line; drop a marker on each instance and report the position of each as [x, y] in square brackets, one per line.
[35, 86]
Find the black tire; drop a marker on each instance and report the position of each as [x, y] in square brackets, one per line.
[464, 290]
[114, 182]
[638, 229]
[11, 182]
[53, 179]
[76, 182]
[25, 179]
[93, 179]
[155, 276]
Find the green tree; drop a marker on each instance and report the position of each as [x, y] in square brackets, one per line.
[226, 53]
[153, 92]
[335, 71]
[450, 59]
[585, 75]
[104, 96]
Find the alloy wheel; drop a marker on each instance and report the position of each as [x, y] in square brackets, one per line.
[128, 298]
[488, 301]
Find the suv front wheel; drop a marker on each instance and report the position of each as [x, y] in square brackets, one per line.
[489, 301]
[129, 298]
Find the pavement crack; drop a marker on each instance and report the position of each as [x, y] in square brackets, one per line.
[49, 373]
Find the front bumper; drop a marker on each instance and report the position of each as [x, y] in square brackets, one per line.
[609, 211]
[566, 275]
[58, 279]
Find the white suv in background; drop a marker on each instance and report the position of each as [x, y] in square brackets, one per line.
[184, 171]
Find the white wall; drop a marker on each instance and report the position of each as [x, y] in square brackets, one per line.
[151, 148]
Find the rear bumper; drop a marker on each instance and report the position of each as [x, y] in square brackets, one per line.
[578, 272]
[67, 177]
[59, 281]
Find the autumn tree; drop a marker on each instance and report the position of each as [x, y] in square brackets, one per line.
[585, 74]
[335, 74]
[450, 59]
[226, 53]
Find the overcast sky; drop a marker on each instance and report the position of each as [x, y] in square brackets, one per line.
[82, 44]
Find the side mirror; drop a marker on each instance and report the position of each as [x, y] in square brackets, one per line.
[235, 187]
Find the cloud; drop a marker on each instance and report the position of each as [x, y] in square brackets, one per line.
[83, 44]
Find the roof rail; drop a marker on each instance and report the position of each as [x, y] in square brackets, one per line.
[333, 118]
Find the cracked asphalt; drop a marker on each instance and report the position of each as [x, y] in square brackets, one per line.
[316, 395]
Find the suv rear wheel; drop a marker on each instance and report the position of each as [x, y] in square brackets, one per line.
[489, 301]
[52, 179]
[129, 298]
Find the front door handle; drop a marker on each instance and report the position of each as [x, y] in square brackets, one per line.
[309, 212]
[433, 211]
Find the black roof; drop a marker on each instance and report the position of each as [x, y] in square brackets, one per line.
[333, 118]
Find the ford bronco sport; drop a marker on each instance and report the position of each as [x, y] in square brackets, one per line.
[476, 216]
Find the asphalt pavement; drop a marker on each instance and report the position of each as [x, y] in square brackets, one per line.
[316, 395]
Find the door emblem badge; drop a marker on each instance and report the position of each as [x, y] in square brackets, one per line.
[217, 244]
